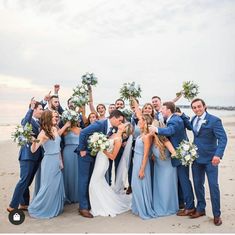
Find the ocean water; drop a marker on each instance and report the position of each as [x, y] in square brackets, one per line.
[8, 121]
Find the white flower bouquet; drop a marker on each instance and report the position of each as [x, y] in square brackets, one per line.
[89, 79]
[23, 135]
[190, 90]
[130, 90]
[186, 152]
[70, 115]
[98, 142]
[80, 96]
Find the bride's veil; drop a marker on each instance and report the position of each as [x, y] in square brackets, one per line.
[123, 167]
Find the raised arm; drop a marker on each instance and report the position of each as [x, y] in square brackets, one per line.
[137, 109]
[64, 128]
[29, 114]
[91, 104]
[177, 97]
[117, 142]
[40, 140]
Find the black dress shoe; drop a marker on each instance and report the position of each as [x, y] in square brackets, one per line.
[217, 221]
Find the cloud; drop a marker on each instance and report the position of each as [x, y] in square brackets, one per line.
[158, 44]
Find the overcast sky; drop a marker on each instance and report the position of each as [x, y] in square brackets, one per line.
[156, 43]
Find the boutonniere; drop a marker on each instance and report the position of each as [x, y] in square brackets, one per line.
[204, 121]
[114, 131]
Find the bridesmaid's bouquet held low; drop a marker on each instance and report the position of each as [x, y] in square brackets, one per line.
[98, 142]
[80, 96]
[130, 90]
[70, 115]
[89, 79]
[186, 152]
[23, 135]
[190, 90]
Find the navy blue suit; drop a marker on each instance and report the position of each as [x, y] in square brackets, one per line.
[86, 163]
[211, 141]
[175, 131]
[29, 163]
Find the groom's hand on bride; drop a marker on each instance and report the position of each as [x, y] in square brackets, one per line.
[82, 153]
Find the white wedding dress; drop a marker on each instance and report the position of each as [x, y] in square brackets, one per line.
[103, 199]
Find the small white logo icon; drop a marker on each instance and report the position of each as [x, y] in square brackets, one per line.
[16, 217]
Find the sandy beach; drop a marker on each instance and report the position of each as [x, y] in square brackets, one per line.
[70, 222]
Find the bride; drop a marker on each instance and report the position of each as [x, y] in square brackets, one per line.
[103, 199]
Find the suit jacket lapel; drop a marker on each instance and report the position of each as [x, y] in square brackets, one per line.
[105, 126]
[205, 119]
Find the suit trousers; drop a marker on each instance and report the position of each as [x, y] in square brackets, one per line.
[21, 195]
[186, 186]
[85, 169]
[199, 172]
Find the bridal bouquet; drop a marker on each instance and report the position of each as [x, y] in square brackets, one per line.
[23, 135]
[186, 152]
[70, 115]
[98, 142]
[130, 90]
[89, 79]
[190, 90]
[80, 96]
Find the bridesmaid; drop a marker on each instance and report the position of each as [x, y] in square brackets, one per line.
[165, 183]
[141, 179]
[70, 171]
[100, 108]
[49, 201]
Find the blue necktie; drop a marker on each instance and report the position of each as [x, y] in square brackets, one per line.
[157, 115]
[195, 127]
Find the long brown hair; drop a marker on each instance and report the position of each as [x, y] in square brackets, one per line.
[46, 123]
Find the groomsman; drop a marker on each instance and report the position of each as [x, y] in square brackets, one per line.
[111, 108]
[174, 130]
[157, 104]
[29, 162]
[53, 100]
[86, 161]
[119, 104]
[211, 140]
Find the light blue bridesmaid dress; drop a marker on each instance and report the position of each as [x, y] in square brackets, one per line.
[49, 201]
[165, 191]
[70, 171]
[141, 188]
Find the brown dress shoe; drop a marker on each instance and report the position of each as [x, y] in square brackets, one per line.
[186, 212]
[129, 190]
[197, 214]
[10, 209]
[85, 213]
[217, 221]
[23, 207]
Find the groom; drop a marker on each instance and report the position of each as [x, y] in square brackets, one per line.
[86, 161]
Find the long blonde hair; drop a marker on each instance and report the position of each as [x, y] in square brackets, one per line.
[158, 143]
[148, 121]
